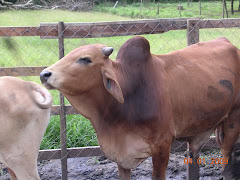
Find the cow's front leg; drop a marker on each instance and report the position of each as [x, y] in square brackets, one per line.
[160, 157]
[124, 174]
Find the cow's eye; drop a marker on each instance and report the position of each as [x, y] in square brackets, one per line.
[84, 60]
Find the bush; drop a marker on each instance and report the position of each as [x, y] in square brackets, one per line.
[12, 1]
[40, 2]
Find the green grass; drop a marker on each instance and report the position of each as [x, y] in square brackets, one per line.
[33, 51]
[209, 10]
[33, 18]
[79, 133]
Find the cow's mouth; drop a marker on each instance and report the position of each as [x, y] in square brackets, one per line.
[48, 86]
[47, 79]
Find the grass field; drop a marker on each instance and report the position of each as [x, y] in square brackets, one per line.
[33, 51]
[33, 18]
[168, 9]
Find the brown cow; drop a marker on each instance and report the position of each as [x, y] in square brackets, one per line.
[24, 116]
[141, 102]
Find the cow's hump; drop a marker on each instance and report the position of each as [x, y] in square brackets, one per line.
[134, 51]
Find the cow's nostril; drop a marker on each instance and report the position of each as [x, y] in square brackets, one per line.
[44, 76]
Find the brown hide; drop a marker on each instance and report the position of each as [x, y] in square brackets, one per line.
[203, 84]
[139, 103]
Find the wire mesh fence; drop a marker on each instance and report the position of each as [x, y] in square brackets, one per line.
[26, 51]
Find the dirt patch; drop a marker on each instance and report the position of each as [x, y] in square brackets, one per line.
[93, 168]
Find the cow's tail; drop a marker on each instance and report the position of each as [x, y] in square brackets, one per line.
[41, 96]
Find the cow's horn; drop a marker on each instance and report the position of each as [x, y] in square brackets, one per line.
[107, 51]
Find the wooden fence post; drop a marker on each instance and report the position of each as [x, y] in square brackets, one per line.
[63, 132]
[141, 6]
[158, 8]
[200, 8]
[192, 31]
[179, 8]
[225, 7]
[192, 38]
[192, 166]
[223, 10]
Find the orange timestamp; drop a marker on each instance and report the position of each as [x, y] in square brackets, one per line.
[203, 161]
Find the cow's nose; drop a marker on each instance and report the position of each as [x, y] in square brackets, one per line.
[44, 76]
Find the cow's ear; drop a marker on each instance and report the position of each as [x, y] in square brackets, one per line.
[111, 84]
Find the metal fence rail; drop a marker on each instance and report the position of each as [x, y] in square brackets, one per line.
[63, 37]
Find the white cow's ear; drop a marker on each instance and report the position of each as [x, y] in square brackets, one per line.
[111, 84]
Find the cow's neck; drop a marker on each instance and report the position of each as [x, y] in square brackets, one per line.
[88, 104]
[141, 103]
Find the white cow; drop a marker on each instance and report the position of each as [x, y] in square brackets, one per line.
[24, 115]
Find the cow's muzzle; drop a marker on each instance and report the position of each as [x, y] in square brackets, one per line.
[44, 76]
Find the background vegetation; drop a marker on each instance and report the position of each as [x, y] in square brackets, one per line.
[168, 9]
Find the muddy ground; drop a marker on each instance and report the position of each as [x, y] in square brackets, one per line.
[93, 168]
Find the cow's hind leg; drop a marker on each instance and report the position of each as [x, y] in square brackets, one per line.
[124, 174]
[12, 174]
[22, 155]
[24, 168]
[228, 133]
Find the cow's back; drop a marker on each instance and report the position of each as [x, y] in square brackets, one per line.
[203, 84]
